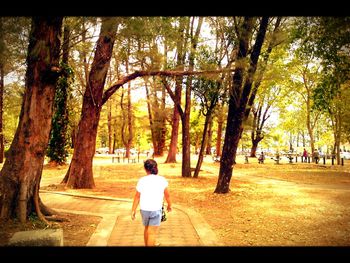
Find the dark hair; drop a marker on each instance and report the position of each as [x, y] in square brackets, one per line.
[151, 166]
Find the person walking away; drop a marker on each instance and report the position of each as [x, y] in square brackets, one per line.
[305, 155]
[316, 156]
[151, 190]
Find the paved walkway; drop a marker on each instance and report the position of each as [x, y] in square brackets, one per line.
[184, 227]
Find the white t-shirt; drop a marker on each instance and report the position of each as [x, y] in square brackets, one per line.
[151, 188]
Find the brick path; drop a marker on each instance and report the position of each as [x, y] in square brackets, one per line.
[184, 227]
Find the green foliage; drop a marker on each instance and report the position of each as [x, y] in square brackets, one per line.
[57, 149]
[325, 92]
[13, 95]
[36, 222]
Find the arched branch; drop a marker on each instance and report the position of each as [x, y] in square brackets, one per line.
[167, 73]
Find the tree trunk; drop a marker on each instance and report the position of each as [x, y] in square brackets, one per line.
[258, 124]
[2, 75]
[219, 131]
[80, 173]
[57, 151]
[21, 174]
[210, 135]
[162, 122]
[186, 143]
[109, 125]
[127, 136]
[171, 158]
[238, 101]
[203, 144]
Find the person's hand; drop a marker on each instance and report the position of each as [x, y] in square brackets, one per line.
[133, 215]
[169, 209]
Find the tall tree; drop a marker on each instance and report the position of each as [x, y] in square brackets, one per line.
[21, 174]
[79, 174]
[239, 95]
[180, 62]
[186, 149]
[208, 92]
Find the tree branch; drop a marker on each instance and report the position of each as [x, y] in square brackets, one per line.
[167, 73]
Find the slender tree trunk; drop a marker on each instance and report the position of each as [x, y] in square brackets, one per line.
[129, 122]
[219, 131]
[127, 136]
[186, 143]
[21, 174]
[203, 144]
[259, 120]
[80, 173]
[109, 125]
[210, 135]
[162, 122]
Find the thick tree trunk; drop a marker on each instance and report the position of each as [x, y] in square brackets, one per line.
[2, 75]
[21, 174]
[2, 150]
[80, 173]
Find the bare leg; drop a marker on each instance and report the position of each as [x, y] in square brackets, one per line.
[145, 235]
[151, 235]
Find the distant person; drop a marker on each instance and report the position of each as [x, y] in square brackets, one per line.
[261, 158]
[305, 155]
[316, 156]
[150, 192]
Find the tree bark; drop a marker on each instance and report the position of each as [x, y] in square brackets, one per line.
[80, 173]
[2, 75]
[21, 174]
[210, 135]
[57, 151]
[186, 143]
[203, 144]
[180, 61]
[238, 101]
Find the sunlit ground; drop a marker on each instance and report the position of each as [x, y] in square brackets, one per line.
[286, 204]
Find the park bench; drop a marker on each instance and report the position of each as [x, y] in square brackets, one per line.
[116, 157]
[132, 158]
[290, 157]
[276, 159]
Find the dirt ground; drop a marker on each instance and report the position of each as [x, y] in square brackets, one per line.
[298, 204]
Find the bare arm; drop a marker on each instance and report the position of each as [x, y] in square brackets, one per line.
[135, 204]
[167, 198]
